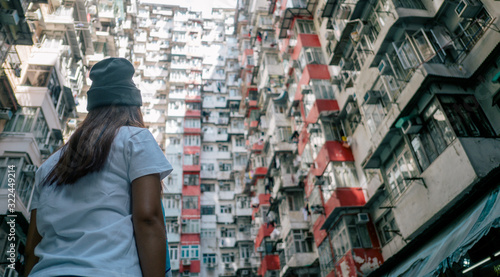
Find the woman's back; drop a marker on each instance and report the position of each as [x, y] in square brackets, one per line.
[88, 225]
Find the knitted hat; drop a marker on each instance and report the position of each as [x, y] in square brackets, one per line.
[112, 84]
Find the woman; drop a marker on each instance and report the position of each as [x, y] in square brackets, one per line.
[96, 208]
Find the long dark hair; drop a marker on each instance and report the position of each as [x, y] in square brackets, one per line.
[89, 146]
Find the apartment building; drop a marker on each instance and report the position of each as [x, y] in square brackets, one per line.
[371, 135]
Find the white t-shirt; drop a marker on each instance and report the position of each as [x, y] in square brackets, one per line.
[86, 227]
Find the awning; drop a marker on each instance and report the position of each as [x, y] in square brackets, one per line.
[453, 242]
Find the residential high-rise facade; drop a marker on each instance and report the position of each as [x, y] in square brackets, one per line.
[308, 137]
[371, 132]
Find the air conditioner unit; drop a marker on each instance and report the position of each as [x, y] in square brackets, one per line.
[280, 246]
[177, 197]
[306, 89]
[362, 218]
[274, 172]
[9, 17]
[260, 249]
[186, 274]
[468, 8]
[184, 221]
[383, 67]
[5, 114]
[244, 272]
[344, 63]
[186, 261]
[372, 96]
[227, 265]
[412, 125]
[351, 108]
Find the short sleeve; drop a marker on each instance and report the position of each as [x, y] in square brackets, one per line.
[36, 190]
[146, 157]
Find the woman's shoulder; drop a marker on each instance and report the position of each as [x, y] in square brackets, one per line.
[131, 131]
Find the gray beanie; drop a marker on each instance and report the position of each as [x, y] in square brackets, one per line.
[112, 84]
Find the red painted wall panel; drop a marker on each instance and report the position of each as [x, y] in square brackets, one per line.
[345, 197]
[319, 235]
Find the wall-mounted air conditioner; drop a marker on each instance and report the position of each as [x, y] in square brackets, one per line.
[468, 8]
[9, 17]
[351, 108]
[186, 261]
[372, 96]
[383, 67]
[362, 218]
[412, 125]
[280, 246]
[260, 249]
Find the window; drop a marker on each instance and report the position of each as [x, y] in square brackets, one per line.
[209, 258]
[25, 177]
[192, 140]
[305, 26]
[221, 131]
[22, 121]
[452, 116]
[240, 141]
[208, 148]
[172, 180]
[374, 114]
[207, 187]
[226, 209]
[171, 202]
[190, 251]
[298, 242]
[225, 166]
[191, 179]
[190, 202]
[223, 148]
[190, 226]
[192, 159]
[207, 233]
[470, 30]
[400, 167]
[326, 261]
[207, 210]
[342, 174]
[171, 226]
[174, 141]
[228, 257]
[174, 252]
[387, 227]
[322, 89]
[245, 251]
[225, 187]
[227, 232]
[311, 55]
[243, 202]
[295, 200]
[347, 235]
[207, 167]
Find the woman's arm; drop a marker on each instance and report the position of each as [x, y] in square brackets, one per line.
[31, 242]
[149, 229]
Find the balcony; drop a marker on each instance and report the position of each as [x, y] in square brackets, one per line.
[226, 195]
[331, 151]
[299, 260]
[224, 175]
[193, 113]
[264, 232]
[243, 211]
[342, 197]
[446, 180]
[225, 218]
[205, 174]
[173, 237]
[227, 242]
[292, 220]
[355, 261]
[269, 262]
